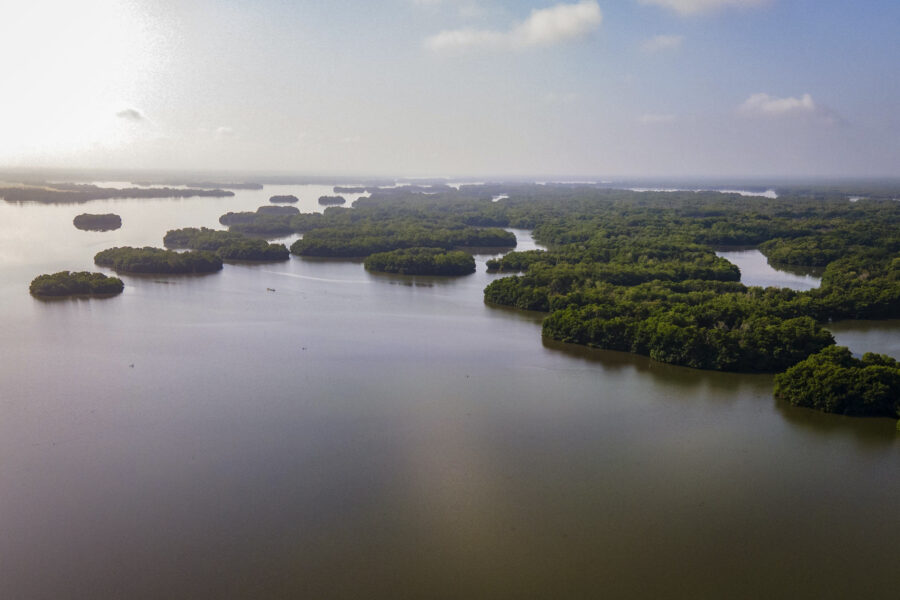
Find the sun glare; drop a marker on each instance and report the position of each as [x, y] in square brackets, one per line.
[69, 68]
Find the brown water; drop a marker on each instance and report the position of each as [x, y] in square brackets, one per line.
[360, 436]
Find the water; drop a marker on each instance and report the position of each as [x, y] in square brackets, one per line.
[355, 435]
[772, 194]
[756, 270]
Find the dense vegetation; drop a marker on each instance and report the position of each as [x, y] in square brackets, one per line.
[287, 198]
[277, 210]
[834, 381]
[272, 221]
[81, 283]
[104, 222]
[365, 230]
[226, 244]
[332, 200]
[637, 271]
[365, 237]
[156, 260]
[422, 261]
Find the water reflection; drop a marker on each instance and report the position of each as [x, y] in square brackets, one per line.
[676, 377]
[875, 434]
[756, 271]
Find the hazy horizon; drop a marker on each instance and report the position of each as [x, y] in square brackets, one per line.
[724, 89]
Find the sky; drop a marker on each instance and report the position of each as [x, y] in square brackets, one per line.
[430, 88]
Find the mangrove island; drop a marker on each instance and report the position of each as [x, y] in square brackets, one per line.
[104, 222]
[80, 283]
[226, 244]
[158, 261]
[422, 261]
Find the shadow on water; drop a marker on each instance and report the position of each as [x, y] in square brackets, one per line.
[683, 378]
[486, 250]
[532, 316]
[355, 260]
[79, 298]
[799, 270]
[868, 432]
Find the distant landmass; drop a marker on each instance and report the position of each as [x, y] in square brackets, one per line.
[76, 193]
[332, 200]
[205, 184]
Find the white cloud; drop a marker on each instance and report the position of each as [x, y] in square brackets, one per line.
[224, 131]
[659, 43]
[655, 119]
[543, 27]
[766, 105]
[130, 114]
[690, 7]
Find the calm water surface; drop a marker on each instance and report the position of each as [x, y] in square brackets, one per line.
[368, 436]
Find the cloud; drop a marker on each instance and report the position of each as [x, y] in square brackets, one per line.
[764, 105]
[659, 43]
[130, 114]
[690, 7]
[224, 131]
[543, 27]
[655, 119]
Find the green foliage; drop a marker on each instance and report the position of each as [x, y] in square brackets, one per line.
[422, 261]
[636, 271]
[104, 222]
[332, 200]
[227, 244]
[156, 260]
[80, 283]
[365, 237]
[834, 381]
[277, 210]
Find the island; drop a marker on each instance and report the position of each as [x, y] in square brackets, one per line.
[80, 283]
[349, 189]
[158, 261]
[59, 193]
[288, 199]
[361, 237]
[834, 381]
[638, 271]
[103, 222]
[269, 221]
[226, 244]
[422, 261]
[332, 200]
